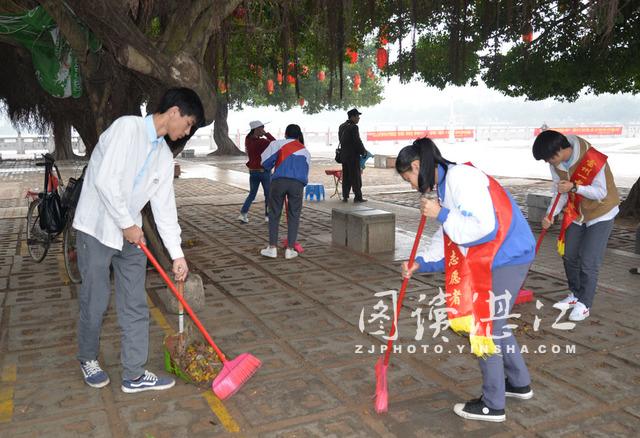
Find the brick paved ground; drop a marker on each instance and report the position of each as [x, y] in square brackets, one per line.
[301, 318]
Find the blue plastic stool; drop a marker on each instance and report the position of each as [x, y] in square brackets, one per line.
[314, 190]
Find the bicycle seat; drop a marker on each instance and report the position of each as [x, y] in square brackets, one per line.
[49, 157]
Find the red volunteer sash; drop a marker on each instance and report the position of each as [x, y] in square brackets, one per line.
[590, 164]
[287, 150]
[469, 282]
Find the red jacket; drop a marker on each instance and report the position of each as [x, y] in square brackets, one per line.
[254, 148]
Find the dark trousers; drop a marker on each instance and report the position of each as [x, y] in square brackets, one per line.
[583, 254]
[257, 177]
[351, 178]
[291, 189]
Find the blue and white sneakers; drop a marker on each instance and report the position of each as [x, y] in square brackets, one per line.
[147, 382]
[94, 376]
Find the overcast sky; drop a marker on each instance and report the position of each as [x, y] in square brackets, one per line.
[417, 106]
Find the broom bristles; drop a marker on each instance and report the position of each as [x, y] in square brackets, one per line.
[382, 394]
[234, 374]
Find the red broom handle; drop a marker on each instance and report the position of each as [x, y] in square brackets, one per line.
[186, 306]
[544, 230]
[403, 288]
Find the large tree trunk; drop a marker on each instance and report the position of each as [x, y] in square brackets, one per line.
[62, 139]
[226, 146]
[630, 207]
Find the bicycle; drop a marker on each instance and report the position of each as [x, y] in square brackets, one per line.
[38, 238]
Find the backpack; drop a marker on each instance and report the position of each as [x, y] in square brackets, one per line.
[338, 157]
[51, 212]
[71, 194]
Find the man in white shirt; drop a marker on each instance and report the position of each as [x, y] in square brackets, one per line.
[584, 181]
[130, 166]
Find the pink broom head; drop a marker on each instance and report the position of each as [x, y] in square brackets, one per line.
[524, 296]
[382, 394]
[299, 249]
[234, 374]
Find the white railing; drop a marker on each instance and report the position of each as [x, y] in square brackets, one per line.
[30, 146]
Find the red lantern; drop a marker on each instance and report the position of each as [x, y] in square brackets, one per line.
[382, 57]
[301, 101]
[279, 77]
[321, 75]
[352, 54]
[270, 86]
[527, 37]
[291, 80]
[357, 80]
[222, 86]
[370, 74]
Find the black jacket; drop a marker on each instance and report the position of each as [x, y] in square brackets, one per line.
[350, 141]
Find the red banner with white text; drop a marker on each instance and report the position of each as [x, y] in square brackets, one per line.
[585, 130]
[414, 134]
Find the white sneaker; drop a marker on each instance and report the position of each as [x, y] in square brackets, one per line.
[290, 253]
[243, 217]
[567, 303]
[270, 251]
[579, 312]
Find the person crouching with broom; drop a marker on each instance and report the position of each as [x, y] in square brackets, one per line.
[485, 247]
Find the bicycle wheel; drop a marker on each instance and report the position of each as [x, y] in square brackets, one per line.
[71, 254]
[38, 240]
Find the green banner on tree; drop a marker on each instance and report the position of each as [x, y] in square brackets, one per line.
[55, 63]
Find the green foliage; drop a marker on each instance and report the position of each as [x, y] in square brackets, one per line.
[254, 57]
[569, 58]
[154, 28]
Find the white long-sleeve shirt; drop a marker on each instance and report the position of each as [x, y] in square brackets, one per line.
[129, 167]
[596, 191]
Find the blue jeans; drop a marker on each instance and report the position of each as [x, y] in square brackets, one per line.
[256, 178]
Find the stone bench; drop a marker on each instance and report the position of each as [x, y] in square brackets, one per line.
[384, 161]
[364, 229]
[537, 204]
[188, 153]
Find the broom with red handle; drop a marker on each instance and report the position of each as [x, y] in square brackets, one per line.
[544, 230]
[382, 394]
[234, 372]
[525, 295]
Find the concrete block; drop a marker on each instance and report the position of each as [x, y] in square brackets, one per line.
[193, 294]
[535, 214]
[384, 161]
[537, 204]
[371, 231]
[339, 219]
[391, 162]
[539, 200]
